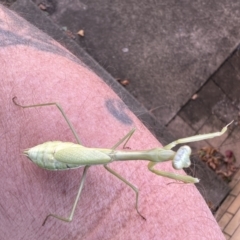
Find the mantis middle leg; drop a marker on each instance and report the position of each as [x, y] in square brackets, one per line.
[135, 189]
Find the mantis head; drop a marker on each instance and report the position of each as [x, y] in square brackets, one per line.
[182, 158]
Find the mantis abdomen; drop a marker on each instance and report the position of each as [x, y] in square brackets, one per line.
[58, 155]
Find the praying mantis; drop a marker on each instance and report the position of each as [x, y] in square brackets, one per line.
[57, 155]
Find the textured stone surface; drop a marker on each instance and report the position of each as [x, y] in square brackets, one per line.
[167, 49]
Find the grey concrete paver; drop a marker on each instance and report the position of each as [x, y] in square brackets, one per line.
[167, 49]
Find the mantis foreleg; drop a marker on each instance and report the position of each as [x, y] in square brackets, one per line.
[183, 178]
[186, 179]
[197, 138]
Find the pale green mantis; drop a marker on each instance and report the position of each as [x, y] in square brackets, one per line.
[58, 155]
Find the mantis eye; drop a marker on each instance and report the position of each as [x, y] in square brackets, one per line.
[182, 158]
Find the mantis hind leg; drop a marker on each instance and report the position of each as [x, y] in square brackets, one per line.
[60, 109]
[135, 189]
[69, 219]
